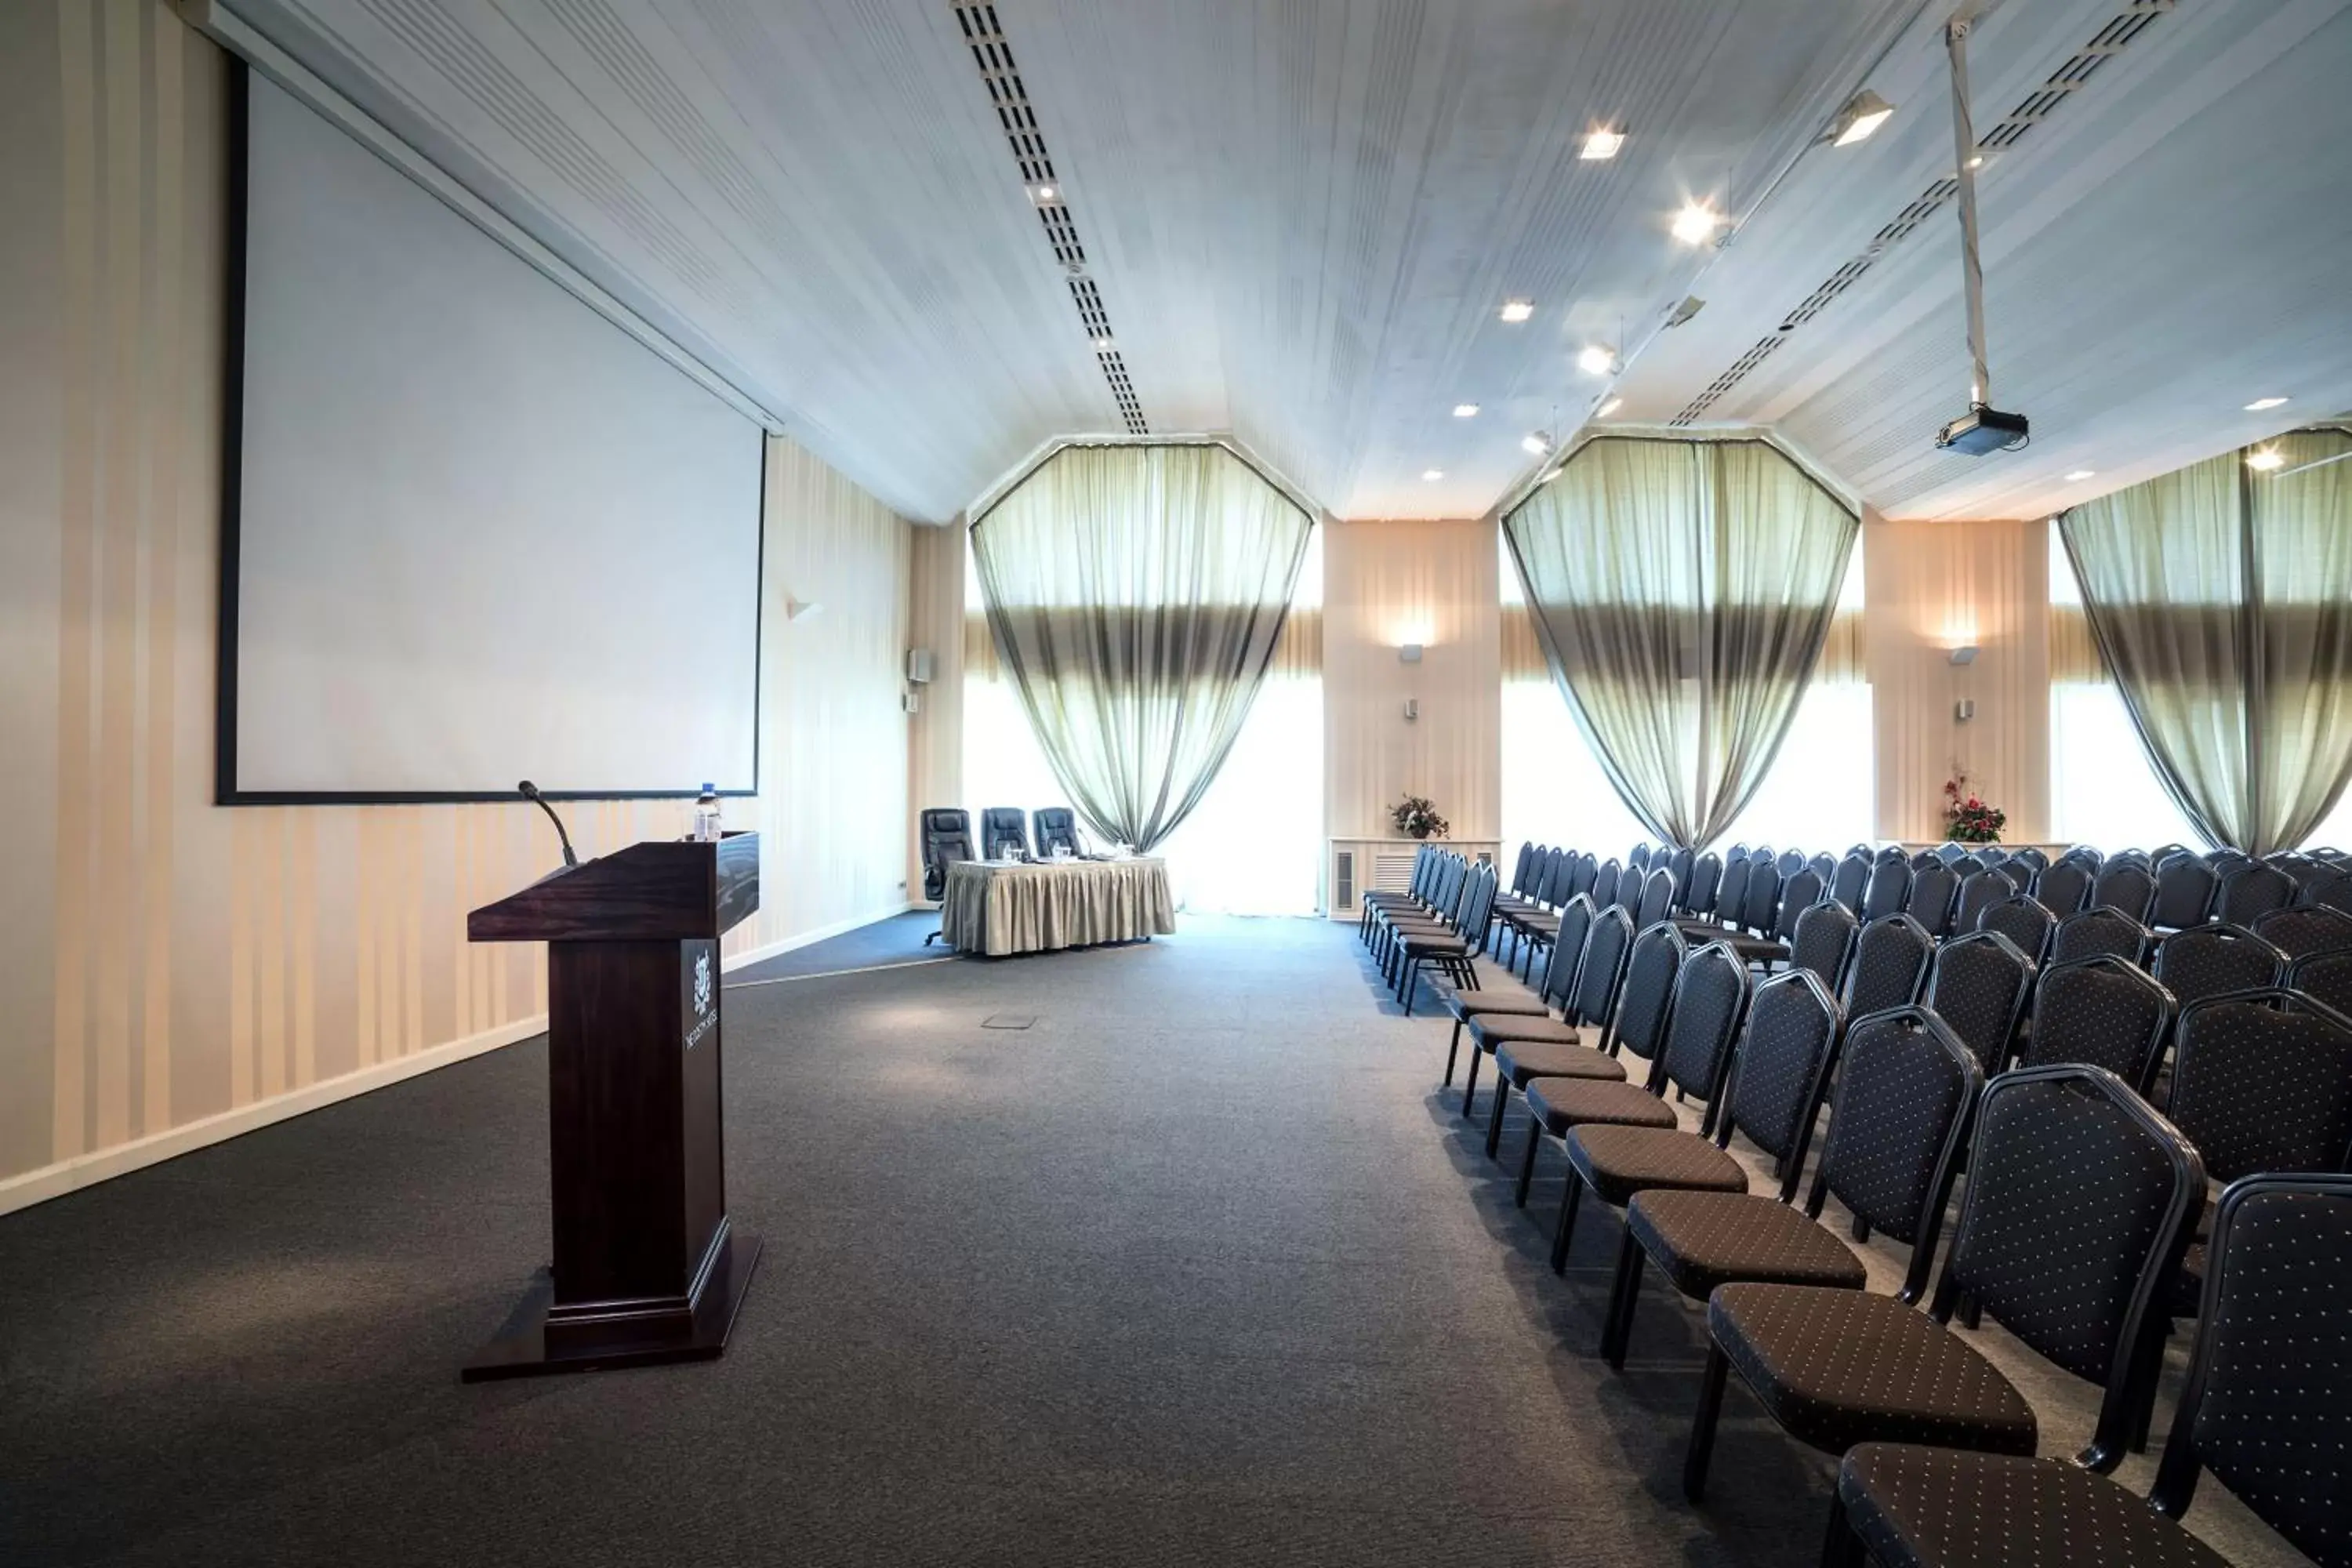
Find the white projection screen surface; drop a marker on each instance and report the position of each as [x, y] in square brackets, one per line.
[479, 533]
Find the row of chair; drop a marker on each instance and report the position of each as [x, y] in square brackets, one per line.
[2079, 1207]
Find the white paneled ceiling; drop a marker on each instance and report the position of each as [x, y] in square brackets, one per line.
[1299, 218]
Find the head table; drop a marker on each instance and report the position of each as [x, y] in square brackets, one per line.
[1000, 906]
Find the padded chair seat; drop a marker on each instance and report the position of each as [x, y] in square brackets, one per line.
[1428, 942]
[1700, 1240]
[1757, 949]
[1541, 922]
[1522, 1062]
[1514, 1003]
[1492, 1029]
[1560, 1103]
[1618, 1162]
[1842, 1367]
[1952, 1509]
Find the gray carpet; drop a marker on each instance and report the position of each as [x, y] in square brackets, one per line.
[1195, 1270]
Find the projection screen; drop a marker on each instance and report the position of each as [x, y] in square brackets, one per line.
[475, 532]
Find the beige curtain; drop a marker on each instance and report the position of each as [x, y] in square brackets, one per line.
[2219, 598]
[1681, 591]
[1136, 596]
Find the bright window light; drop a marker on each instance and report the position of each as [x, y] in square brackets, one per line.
[1600, 144]
[1518, 309]
[2265, 461]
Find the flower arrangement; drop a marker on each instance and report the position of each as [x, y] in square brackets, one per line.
[1967, 818]
[1416, 818]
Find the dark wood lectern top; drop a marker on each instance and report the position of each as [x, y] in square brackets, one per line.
[654, 892]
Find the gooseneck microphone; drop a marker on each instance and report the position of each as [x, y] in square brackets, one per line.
[530, 792]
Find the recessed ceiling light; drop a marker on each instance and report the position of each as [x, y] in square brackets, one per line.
[2259, 404]
[1536, 441]
[1606, 409]
[1433, 473]
[1466, 410]
[2265, 460]
[1602, 143]
[1103, 340]
[1596, 359]
[1043, 193]
[1863, 113]
[2081, 474]
[1518, 309]
[1696, 222]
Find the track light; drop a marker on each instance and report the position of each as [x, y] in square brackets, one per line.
[1466, 410]
[1518, 309]
[1537, 442]
[1863, 113]
[1597, 359]
[1696, 222]
[1602, 143]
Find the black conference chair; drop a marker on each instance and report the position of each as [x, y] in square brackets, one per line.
[1934, 891]
[2063, 888]
[2184, 892]
[1600, 977]
[1563, 1037]
[946, 838]
[1852, 874]
[1979, 893]
[2079, 1200]
[2325, 975]
[1888, 890]
[2251, 890]
[2306, 928]
[2100, 929]
[1899, 1119]
[1823, 943]
[2208, 959]
[2261, 1080]
[2272, 1423]
[2126, 885]
[1890, 963]
[1058, 828]
[2024, 921]
[2103, 1012]
[1978, 984]
[1004, 833]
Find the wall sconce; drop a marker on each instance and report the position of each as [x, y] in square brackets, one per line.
[1409, 653]
[1965, 653]
[796, 609]
[1412, 709]
[1963, 709]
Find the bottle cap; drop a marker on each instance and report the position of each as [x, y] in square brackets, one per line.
[709, 788]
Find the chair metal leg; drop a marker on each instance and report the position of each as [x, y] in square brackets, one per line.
[1622, 1297]
[1528, 1163]
[1702, 1435]
[1470, 1083]
[1494, 1116]
[1452, 1047]
[1842, 1548]
[1567, 1221]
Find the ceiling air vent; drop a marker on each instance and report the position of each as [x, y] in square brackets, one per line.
[2120, 30]
[994, 55]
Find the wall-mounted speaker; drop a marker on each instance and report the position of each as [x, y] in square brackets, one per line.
[919, 666]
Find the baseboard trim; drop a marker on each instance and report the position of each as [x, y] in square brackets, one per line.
[39, 1185]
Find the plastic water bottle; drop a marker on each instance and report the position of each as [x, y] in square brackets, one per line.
[705, 817]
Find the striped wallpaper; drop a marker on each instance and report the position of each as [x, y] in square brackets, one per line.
[165, 961]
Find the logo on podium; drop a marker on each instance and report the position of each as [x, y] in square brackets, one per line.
[699, 985]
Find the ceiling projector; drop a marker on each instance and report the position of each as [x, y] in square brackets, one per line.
[1982, 429]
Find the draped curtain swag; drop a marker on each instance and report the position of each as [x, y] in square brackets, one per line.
[2219, 598]
[1135, 595]
[1681, 591]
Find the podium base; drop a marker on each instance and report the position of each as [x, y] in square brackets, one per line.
[520, 1348]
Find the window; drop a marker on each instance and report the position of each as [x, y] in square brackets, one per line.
[1822, 794]
[2103, 790]
[1254, 846]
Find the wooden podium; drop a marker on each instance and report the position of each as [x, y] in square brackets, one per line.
[646, 1266]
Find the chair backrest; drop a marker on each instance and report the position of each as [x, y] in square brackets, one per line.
[2184, 892]
[2126, 885]
[1846, 884]
[1979, 892]
[1004, 829]
[1762, 903]
[1780, 1071]
[1522, 870]
[1933, 892]
[2078, 1207]
[1566, 951]
[1602, 971]
[1736, 852]
[2102, 1011]
[1706, 878]
[2023, 920]
[2100, 929]
[1890, 963]
[2250, 891]
[1476, 909]
[1907, 1088]
[2063, 888]
[2324, 975]
[2329, 885]
[1678, 866]
[2306, 928]
[1658, 898]
[1791, 862]
[2271, 1420]
[1058, 828]
[1824, 866]
[1710, 1001]
[1731, 896]
[1978, 983]
[1889, 888]
[1639, 861]
[1801, 892]
[1583, 873]
[1921, 859]
[2261, 1080]
[946, 838]
[1559, 876]
[2019, 872]
[1891, 852]
[1647, 996]
[1823, 944]
[2032, 857]
[1605, 885]
[2082, 855]
[2208, 959]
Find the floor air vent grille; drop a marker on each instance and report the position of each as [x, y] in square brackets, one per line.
[992, 53]
[2110, 40]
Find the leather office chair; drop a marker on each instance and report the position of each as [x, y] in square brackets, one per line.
[1057, 827]
[946, 840]
[1004, 830]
